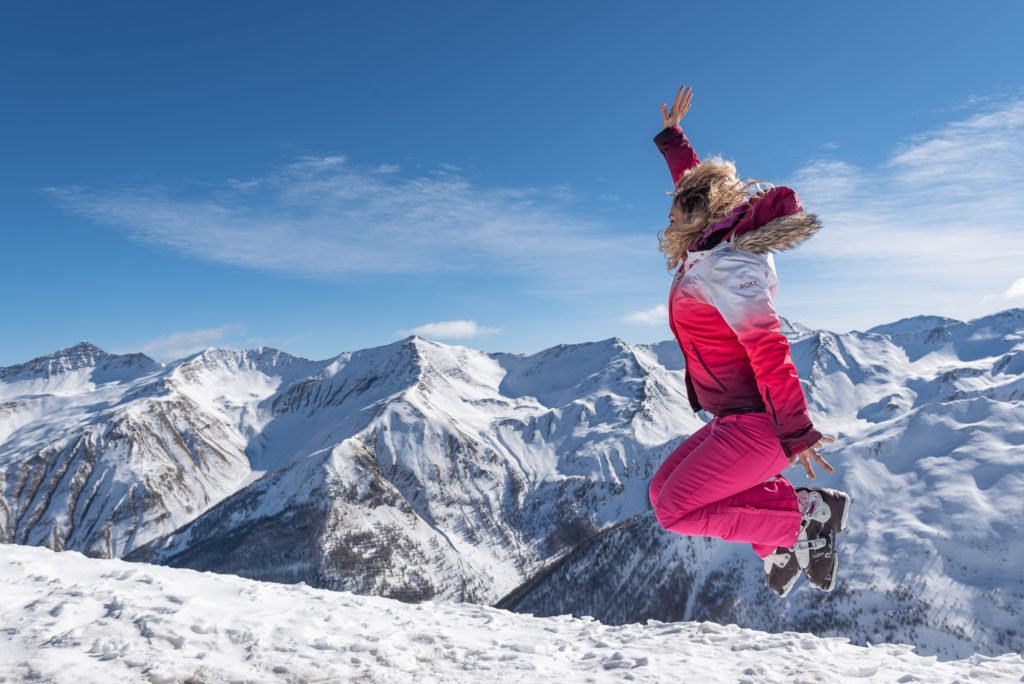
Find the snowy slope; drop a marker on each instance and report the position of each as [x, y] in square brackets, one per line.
[71, 619]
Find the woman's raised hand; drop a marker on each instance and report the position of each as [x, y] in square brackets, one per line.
[673, 116]
[807, 454]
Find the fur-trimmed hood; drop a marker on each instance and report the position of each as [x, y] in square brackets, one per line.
[770, 222]
[785, 232]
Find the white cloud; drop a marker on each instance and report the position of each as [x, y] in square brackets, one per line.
[657, 315]
[1016, 290]
[978, 150]
[185, 342]
[828, 181]
[323, 217]
[450, 330]
[927, 231]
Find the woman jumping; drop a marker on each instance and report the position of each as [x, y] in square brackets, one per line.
[725, 480]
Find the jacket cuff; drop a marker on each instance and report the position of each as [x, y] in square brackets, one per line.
[798, 443]
[667, 135]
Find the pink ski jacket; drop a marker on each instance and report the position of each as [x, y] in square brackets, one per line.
[721, 308]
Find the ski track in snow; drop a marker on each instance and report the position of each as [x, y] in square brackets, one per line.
[67, 618]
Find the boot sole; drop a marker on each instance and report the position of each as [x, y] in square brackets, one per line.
[835, 574]
[846, 512]
[842, 528]
[789, 587]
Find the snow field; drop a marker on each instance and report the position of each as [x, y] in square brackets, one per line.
[67, 618]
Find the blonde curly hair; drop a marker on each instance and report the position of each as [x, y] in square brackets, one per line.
[705, 195]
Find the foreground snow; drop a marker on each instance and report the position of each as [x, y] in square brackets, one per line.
[67, 618]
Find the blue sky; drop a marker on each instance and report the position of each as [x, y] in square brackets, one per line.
[323, 177]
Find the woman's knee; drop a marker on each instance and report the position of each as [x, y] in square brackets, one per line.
[661, 515]
[652, 492]
[669, 512]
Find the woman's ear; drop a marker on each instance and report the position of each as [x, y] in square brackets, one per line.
[692, 202]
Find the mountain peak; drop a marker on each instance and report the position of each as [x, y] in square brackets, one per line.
[71, 359]
[82, 355]
[793, 330]
[263, 359]
[915, 325]
[84, 351]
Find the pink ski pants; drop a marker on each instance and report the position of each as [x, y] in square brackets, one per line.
[716, 484]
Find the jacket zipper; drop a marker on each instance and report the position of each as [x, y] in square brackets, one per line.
[768, 396]
[701, 359]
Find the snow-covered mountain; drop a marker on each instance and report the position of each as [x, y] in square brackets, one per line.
[419, 470]
[424, 471]
[102, 453]
[414, 470]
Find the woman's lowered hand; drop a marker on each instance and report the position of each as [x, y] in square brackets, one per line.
[807, 454]
[673, 116]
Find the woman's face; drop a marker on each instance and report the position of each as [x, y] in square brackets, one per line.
[675, 214]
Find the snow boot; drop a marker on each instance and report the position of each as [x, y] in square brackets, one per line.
[824, 516]
[783, 571]
[827, 506]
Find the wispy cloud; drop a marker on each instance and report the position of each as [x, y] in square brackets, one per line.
[450, 330]
[182, 343]
[657, 315]
[829, 181]
[324, 217]
[1016, 290]
[937, 228]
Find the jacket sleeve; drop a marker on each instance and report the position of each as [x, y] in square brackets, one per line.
[678, 152]
[742, 287]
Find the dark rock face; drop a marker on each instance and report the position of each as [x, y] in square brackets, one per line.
[632, 572]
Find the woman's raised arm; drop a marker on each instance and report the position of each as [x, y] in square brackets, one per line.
[672, 142]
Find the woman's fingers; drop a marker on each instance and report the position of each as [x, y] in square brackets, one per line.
[824, 464]
[806, 463]
[666, 117]
[812, 452]
[685, 99]
[680, 106]
[684, 104]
